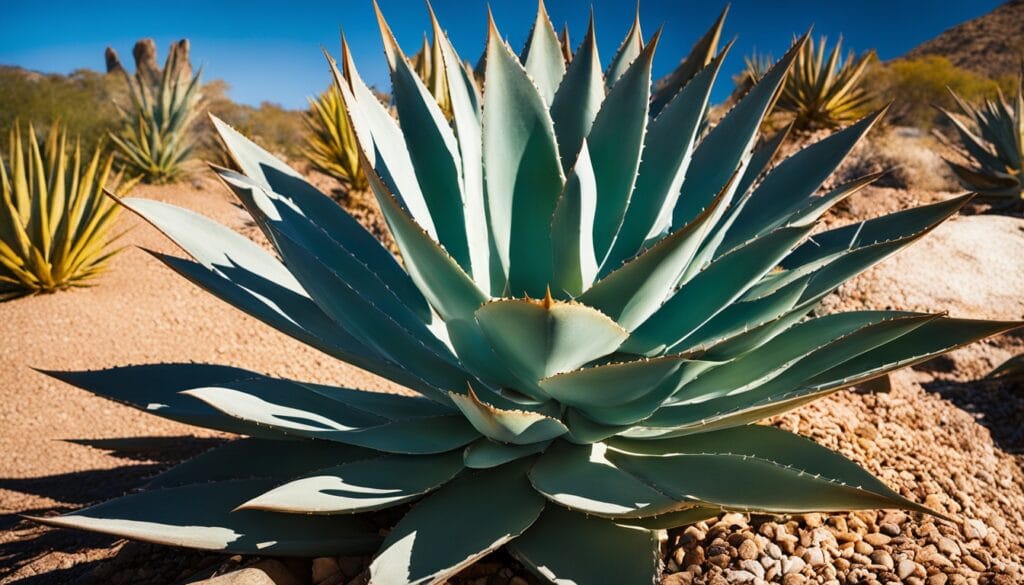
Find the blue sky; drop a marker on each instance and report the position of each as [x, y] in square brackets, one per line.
[270, 51]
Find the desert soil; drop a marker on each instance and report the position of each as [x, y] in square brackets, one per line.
[938, 436]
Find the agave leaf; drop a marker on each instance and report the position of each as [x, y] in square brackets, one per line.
[673, 519]
[581, 478]
[788, 185]
[1010, 370]
[299, 414]
[569, 547]
[726, 148]
[578, 99]
[668, 147]
[201, 516]
[616, 384]
[361, 486]
[574, 258]
[247, 459]
[381, 140]
[771, 486]
[433, 150]
[157, 388]
[616, 141]
[714, 288]
[524, 175]
[466, 123]
[629, 50]
[517, 427]
[633, 292]
[583, 431]
[538, 339]
[700, 56]
[762, 156]
[485, 453]
[542, 56]
[457, 525]
[381, 404]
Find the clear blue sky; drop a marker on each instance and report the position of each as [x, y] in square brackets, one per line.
[270, 51]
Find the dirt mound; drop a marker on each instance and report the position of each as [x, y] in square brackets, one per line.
[990, 45]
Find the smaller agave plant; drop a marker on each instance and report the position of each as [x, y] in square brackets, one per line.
[825, 92]
[594, 305]
[156, 138]
[55, 222]
[990, 137]
[331, 143]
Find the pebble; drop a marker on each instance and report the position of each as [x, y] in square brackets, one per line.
[754, 567]
[880, 557]
[747, 550]
[814, 556]
[877, 539]
[739, 576]
[793, 565]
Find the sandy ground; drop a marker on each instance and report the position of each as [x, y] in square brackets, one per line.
[138, 312]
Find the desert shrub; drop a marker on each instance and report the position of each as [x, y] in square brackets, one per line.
[55, 221]
[908, 156]
[83, 102]
[916, 86]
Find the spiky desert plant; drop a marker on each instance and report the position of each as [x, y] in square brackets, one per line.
[586, 330]
[331, 143]
[156, 138]
[1012, 370]
[755, 66]
[990, 136]
[55, 222]
[825, 92]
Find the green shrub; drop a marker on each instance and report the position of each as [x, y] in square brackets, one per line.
[916, 86]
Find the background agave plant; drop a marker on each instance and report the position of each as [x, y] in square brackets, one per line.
[55, 222]
[825, 92]
[990, 137]
[331, 144]
[587, 330]
[156, 139]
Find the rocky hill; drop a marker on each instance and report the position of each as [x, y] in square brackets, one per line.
[990, 45]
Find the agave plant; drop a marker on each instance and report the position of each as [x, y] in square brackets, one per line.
[331, 144]
[824, 93]
[55, 222]
[1012, 370]
[156, 138]
[990, 137]
[593, 306]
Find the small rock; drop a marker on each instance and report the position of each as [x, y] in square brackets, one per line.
[880, 557]
[794, 579]
[814, 556]
[877, 539]
[938, 579]
[753, 566]
[792, 565]
[739, 576]
[747, 550]
[905, 568]
[678, 579]
[324, 568]
[268, 572]
[974, 563]
[948, 547]
[975, 529]
[889, 529]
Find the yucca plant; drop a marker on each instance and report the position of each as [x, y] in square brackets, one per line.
[990, 138]
[156, 138]
[755, 66]
[331, 143]
[593, 306]
[55, 223]
[825, 92]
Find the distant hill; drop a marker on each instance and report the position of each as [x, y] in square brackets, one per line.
[991, 45]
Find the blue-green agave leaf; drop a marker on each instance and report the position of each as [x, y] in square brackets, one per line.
[361, 486]
[247, 459]
[670, 520]
[727, 147]
[710, 291]
[201, 516]
[629, 50]
[581, 478]
[666, 157]
[516, 427]
[572, 236]
[542, 56]
[616, 142]
[578, 99]
[485, 453]
[523, 171]
[433, 150]
[296, 414]
[538, 339]
[458, 524]
[569, 547]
